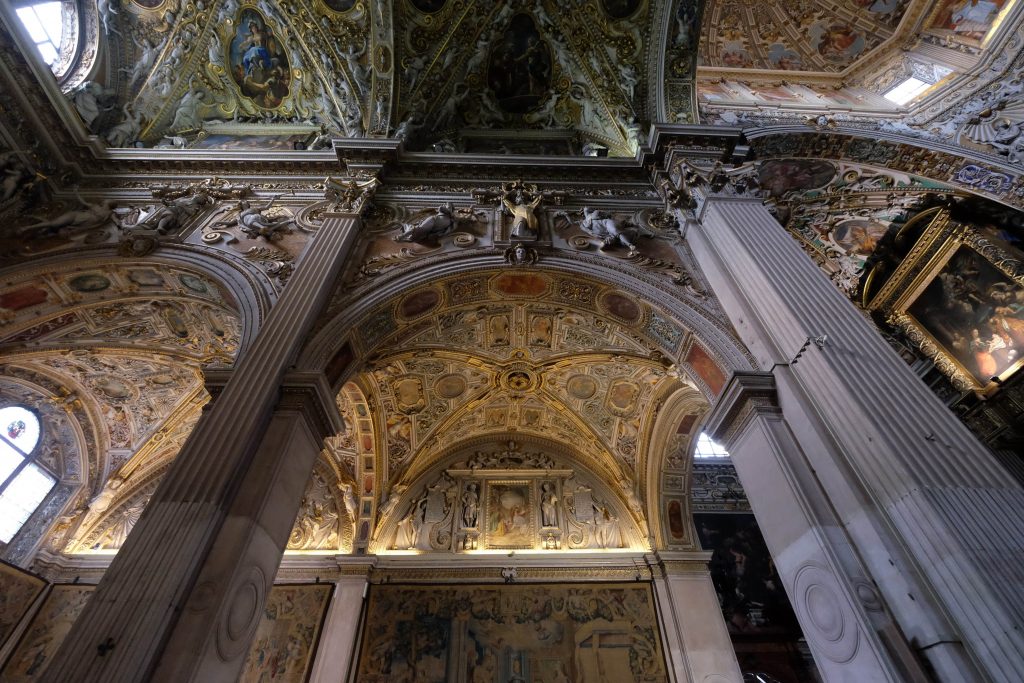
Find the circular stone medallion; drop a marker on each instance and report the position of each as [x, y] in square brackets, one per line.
[581, 386]
[450, 386]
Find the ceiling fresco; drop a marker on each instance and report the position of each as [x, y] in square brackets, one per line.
[795, 36]
[290, 74]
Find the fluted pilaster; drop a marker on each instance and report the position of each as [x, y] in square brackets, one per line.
[936, 518]
[137, 608]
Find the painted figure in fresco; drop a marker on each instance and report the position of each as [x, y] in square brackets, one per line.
[14, 175]
[255, 52]
[974, 16]
[86, 216]
[838, 41]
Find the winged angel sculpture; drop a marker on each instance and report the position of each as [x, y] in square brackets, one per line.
[610, 230]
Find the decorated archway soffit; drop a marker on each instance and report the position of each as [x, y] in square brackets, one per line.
[197, 74]
[523, 352]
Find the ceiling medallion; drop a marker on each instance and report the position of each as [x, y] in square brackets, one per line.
[520, 379]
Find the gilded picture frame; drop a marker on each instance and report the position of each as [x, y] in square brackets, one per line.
[959, 298]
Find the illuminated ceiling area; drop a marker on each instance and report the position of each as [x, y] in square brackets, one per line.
[110, 357]
[549, 393]
[527, 386]
[911, 66]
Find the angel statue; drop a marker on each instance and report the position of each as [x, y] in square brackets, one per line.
[431, 228]
[610, 230]
[254, 222]
[522, 210]
[86, 216]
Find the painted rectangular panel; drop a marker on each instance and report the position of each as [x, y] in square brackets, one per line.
[287, 636]
[18, 590]
[498, 633]
[47, 631]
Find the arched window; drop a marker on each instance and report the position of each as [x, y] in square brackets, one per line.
[23, 482]
[706, 448]
[53, 27]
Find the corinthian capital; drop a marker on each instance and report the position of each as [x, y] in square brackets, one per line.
[349, 195]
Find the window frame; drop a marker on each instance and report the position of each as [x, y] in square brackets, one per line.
[29, 458]
[68, 64]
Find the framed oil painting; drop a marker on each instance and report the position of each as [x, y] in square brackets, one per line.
[511, 521]
[259, 65]
[499, 633]
[47, 631]
[960, 298]
[287, 637]
[18, 591]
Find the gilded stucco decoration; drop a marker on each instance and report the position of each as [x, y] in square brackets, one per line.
[510, 495]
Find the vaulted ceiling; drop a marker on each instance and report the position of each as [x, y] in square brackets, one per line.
[436, 72]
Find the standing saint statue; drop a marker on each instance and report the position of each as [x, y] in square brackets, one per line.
[470, 506]
[548, 506]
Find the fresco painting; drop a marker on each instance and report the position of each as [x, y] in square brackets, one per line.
[970, 19]
[837, 43]
[18, 590]
[976, 312]
[286, 639]
[786, 175]
[258, 63]
[519, 71]
[510, 522]
[553, 633]
[47, 631]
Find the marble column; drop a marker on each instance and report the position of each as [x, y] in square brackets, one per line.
[919, 503]
[182, 598]
[336, 653]
[697, 643]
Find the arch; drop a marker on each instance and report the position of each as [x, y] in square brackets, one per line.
[236, 284]
[528, 465]
[358, 304]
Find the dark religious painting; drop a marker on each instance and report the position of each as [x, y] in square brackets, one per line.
[511, 633]
[340, 5]
[520, 68]
[428, 6]
[148, 4]
[620, 9]
[749, 589]
[258, 62]
[976, 312]
[785, 175]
